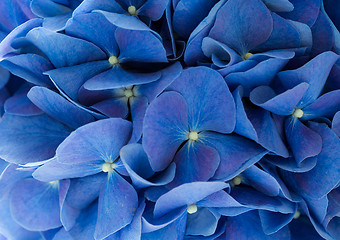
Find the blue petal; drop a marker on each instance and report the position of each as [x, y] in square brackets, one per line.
[63, 50]
[138, 106]
[30, 139]
[304, 11]
[236, 153]
[95, 28]
[303, 141]
[184, 195]
[153, 9]
[282, 104]
[242, 25]
[100, 140]
[43, 8]
[203, 222]
[117, 205]
[317, 182]
[195, 162]
[279, 5]
[315, 73]
[114, 108]
[29, 67]
[137, 164]
[273, 222]
[89, 5]
[59, 108]
[336, 124]
[325, 106]
[117, 77]
[209, 108]
[57, 23]
[70, 79]
[19, 104]
[35, 205]
[160, 141]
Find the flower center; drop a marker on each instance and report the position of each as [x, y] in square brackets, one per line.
[54, 183]
[247, 55]
[113, 60]
[132, 10]
[107, 167]
[193, 135]
[298, 113]
[128, 93]
[297, 214]
[237, 180]
[192, 208]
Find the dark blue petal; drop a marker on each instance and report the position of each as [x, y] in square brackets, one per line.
[114, 108]
[30, 139]
[160, 141]
[273, 221]
[203, 222]
[279, 5]
[304, 11]
[153, 9]
[336, 124]
[43, 8]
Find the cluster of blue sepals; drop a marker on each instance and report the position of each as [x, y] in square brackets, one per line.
[170, 119]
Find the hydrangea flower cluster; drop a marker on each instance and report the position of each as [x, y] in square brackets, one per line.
[170, 119]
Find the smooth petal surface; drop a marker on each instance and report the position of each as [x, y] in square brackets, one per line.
[242, 25]
[138, 106]
[336, 124]
[186, 194]
[117, 77]
[315, 73]
[282, 104]
[209, 108]
[63, 50]
[195, 162]
[317, 182]
[137, 164]
[30, 139]
[83, 145]
[117, 205]
[165, 124]
[236, 153]
[59, 108]
[303, 141]
[203, 222]
[35, 205]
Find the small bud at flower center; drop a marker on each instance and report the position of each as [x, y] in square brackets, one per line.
[247, 55]
[237, 180]
[192, 208]
[54, 183]
[128, 93]
[107, 167]
[132, 10]
[113, 60]
[297, 214]
[193, 136]
[298, 113]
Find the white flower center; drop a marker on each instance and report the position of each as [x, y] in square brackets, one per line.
[247, 55]
[193, 135]
[192, 208]
[107, 167]
[113, 60]
[128, 93]
[298, 113]
[132, 10]
[297, 214]
[237, 180]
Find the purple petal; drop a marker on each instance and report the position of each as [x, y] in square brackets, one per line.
[336, 124]
[153, 9]
[304, 11]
